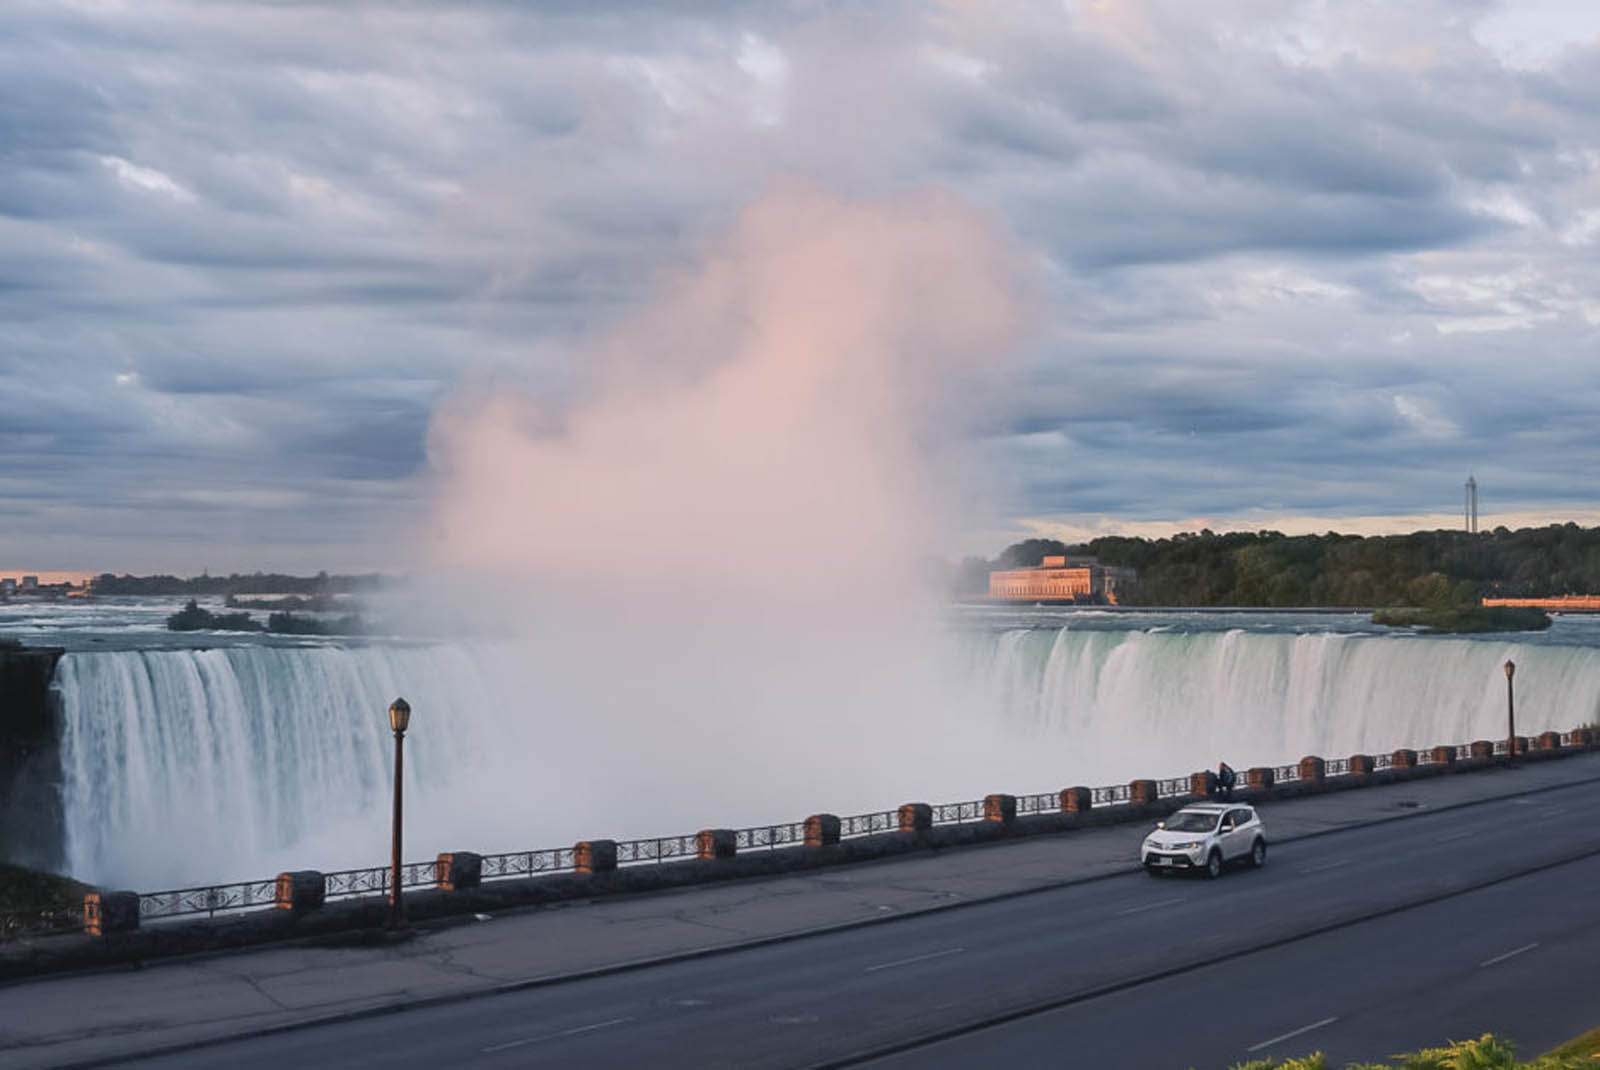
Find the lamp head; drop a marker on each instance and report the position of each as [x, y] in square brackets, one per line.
[1511, 667]
[399, 715]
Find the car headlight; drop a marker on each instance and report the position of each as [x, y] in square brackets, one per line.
[1187, 846]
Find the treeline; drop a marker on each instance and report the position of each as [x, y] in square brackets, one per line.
[195, 618]
[1268, 568]
[321, 584]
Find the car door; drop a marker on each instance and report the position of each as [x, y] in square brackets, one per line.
[1236, 841]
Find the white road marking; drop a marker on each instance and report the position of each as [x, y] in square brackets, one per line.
[1292, 1033]
[1454, 836]
[1508, 954]
[1553, 812]
[1325, 866]
[919, 958]
[1151, 906]
[554, 1036]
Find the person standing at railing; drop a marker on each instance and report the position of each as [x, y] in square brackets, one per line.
[1226, 778]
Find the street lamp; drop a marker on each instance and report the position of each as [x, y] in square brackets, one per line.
[1511, 714]
[399, 720]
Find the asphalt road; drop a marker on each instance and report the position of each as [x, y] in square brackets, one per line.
[1428, 931]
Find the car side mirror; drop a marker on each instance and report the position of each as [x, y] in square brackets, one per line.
[1227, 826]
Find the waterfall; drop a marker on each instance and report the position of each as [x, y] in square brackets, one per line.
[199, 766]
[209, 765]
[1159, 703]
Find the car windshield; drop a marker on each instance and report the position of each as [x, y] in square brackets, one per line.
[1192, 821]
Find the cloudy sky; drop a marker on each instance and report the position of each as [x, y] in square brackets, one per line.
[1305, 264]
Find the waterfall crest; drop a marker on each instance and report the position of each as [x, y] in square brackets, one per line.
[199, 766]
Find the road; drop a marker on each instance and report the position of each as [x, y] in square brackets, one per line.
[1442, 925]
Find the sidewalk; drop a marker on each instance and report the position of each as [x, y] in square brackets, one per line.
[71, 1019]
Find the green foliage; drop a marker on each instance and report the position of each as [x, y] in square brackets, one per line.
[1463, 620]
[1488, 1052]
[30, 892]
[291, 624]
[191, 618]
[1433, 569]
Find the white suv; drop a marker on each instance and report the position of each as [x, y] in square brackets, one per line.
[1205, 836]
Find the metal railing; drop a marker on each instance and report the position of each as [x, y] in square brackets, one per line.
[211, 900]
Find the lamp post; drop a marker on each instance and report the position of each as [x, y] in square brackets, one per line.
[1511, 714]
[399, 719]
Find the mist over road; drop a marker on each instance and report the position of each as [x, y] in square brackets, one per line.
[1454, 941]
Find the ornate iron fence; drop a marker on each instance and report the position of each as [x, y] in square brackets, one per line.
[214, 899]
[956, 813]
[1047, 802]
[770, 836]
[660, 849]
[868, 824]
[526, 863]
[183, 902]
[41, 923]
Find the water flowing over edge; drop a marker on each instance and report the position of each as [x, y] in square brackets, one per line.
[231, 763]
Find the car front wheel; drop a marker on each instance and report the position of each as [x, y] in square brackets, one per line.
[1214, 865]
[1258, 854]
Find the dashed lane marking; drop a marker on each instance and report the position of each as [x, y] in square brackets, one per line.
[1509, 954]
[554, 1036]
[1290, 1034]
[1151, 906]
[919, 958]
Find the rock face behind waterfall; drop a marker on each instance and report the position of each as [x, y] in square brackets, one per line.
[30, 759]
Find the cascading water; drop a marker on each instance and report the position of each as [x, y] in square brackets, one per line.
[190, 765]
[1160, 703]
[195, 766]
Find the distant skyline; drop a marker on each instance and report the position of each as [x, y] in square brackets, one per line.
[1304, 265]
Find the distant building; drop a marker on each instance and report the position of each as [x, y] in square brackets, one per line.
[8, 587]
[1570, 603]
[30, 582]
[1062, 579]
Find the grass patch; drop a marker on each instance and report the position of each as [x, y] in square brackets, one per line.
[1585, 1049]
[32, 893]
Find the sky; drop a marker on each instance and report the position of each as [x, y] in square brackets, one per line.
[1300, 264]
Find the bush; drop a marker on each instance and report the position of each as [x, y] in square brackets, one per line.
[1488, 1052]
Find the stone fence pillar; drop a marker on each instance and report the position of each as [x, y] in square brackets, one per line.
[1141, 792]
[1521, 743]
[1360, 764]
[1482, 749]
[1444, 754]
[595, 856]
[715, 843]
[300, 891]
[1582, 737]
[1549, 740]
[1076, 800]
[1404, 758]
[1260, 777]
[1001, 808]
[916, 817]
[822, 830]
[458, 870]
[110, 912]
[1202, 784]
[1313, 769]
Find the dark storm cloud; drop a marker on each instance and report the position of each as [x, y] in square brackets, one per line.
[1298, 260]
